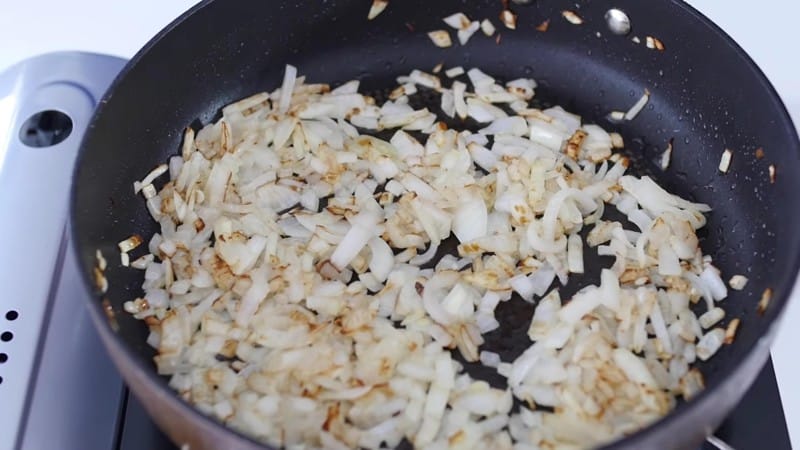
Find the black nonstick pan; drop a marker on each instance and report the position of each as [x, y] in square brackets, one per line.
[707, 96]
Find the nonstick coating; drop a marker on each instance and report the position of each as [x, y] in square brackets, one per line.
[707, 96]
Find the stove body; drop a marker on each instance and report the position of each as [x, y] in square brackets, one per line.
[58, 388]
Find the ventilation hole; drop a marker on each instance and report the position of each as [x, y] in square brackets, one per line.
[6, 336]
[12, 315]
[3, 358]
[45, 129]
[1, 380]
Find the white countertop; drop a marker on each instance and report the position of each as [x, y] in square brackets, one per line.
[764, 29]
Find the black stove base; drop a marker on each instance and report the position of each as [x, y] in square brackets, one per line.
[757, 423]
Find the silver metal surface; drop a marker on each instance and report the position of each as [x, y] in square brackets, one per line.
[618, 22]
[719, 443]
[51, 344]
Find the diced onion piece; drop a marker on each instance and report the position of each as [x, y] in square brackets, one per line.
[509, 19]
[666, 157]
[490, 359]
[377, 7]
[459, 89]
[259, 288]
[465, 34]
[654, 43]
[458, 21]
[382, 260]
[711, 317]
[102, 264]
[149, 191]
[668, 262]
[730, 331]
[634, 368]
[454, 72]
[580, 305]
[130, 244]
[440, 38]
[287, 88]
[142, 262]
[725, 161]
[763, 302]
[147, 180]
[710, 277]
[710, 343]
[544, 26]
[470, 219]
[572, 17]
[575, 253]
[616, 115]
[638, 106]
[487, 27]
[737, 282]
[357, 237]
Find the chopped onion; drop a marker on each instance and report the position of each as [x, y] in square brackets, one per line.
[711, 317]
[725, 161]
[459, 21]
[666, 157]
[737, 282]
[440, 38]
[572, 17]
[575, 253]
[465, 34]
[454, 72]
[638, 106]
[377, 7]
[710, 343]
[487, 27]
[289, 78]
[130, 244]
[359, 234]
[299, 254]
[509, 19]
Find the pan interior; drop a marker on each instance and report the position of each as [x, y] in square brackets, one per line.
[705, 98]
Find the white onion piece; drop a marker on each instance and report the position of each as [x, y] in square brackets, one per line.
[581, 304]
[382, 260]
[522, 286]
[668, 262]
[737, 282]
[575, 253]
[276, 255]
[359, 234]
[711, 317]
[710, 278]
[460, 104]
[460, 302]
[254, 296]
[457, 21]
[289, 78]
[487, 27]
[465, 34]
[710, 343]
[634, 368]
[470, 219]
[638, 106]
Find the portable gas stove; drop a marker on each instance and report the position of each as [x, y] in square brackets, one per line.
[58, 389]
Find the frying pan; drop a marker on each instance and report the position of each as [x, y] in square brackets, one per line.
[707, 95]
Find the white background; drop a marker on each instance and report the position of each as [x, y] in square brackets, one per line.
[765, 29]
